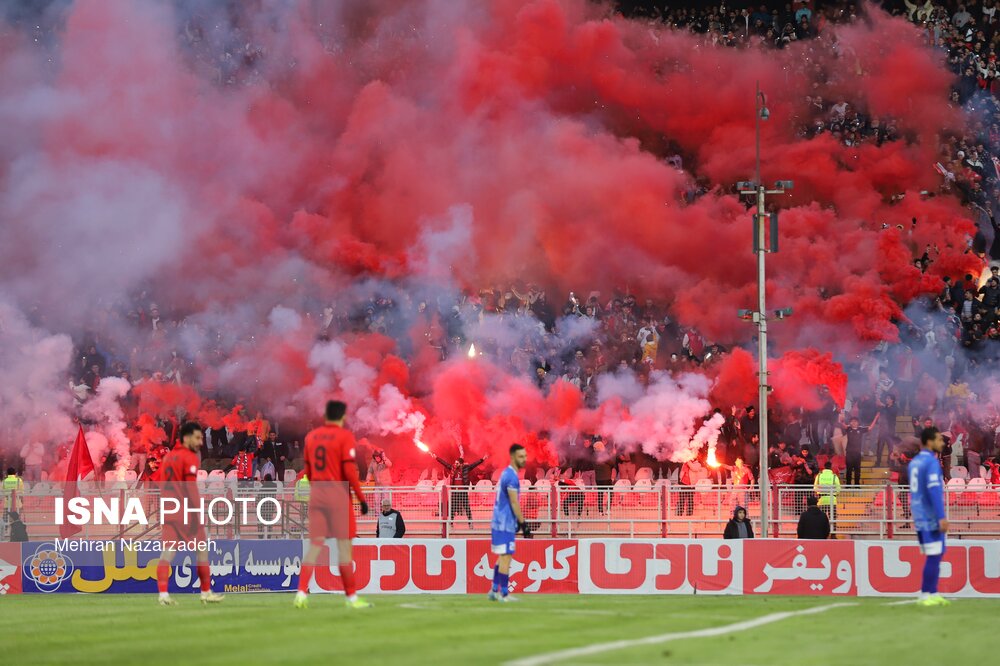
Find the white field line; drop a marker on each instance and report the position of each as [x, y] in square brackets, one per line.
[597, 648]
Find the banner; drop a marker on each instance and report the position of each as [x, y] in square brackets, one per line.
[539, 566]
[93, 566]
[401, 566]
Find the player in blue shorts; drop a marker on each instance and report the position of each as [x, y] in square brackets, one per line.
[507, 522]
[927, 506]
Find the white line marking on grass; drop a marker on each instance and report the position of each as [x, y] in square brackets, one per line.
[903, 603]
[597, 648]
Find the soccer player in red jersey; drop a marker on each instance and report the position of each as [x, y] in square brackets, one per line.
[177, 477]
[331, 467]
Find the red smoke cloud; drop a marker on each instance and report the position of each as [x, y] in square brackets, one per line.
[249, 204]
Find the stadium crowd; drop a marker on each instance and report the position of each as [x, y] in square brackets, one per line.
[928, 377]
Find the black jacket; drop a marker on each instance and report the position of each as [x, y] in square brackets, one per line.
[281, 449]
[732, 527]
[813, 524]
[18, 532]
[265, 450]
[459, 476]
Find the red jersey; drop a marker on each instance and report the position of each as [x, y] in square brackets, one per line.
[178, 473]
[329, 456]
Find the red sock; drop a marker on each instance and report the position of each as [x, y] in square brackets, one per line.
[347, 576]
[162, 575]
[305, 575]
[205, 576]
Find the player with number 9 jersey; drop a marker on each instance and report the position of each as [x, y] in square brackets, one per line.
[331, 468]
[333, 474]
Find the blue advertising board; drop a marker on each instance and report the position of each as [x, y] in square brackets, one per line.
[130, 566]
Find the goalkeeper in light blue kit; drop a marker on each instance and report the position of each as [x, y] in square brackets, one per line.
[507, 522]
[927, 506]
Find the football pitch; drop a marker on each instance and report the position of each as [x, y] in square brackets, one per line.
[263, 628]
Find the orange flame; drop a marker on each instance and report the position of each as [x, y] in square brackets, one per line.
[472, 351]
[710, 458]
[420, 445]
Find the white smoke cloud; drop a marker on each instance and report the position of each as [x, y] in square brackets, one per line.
[104, 408]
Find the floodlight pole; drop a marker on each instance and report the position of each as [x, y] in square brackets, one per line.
[761, 332]
[761, 246]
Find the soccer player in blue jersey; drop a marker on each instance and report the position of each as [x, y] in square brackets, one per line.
[927, 506]
[507, 522]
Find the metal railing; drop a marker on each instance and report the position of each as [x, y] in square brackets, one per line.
[655, 510]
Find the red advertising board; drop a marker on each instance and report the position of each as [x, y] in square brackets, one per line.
[653, 566]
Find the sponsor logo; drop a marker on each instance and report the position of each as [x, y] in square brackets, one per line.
[48, 567]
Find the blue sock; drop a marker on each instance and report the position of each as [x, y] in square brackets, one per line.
[504, 584]
[932, 571]
[496, 578]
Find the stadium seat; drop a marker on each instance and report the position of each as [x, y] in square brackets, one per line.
[216, 475]
[425, 485]
[643, 484]
[231, 476]
[202, 475]
[525, 484]
[130, 477]
[484, 485]
[623, 484]
[956, 484]
[290, 475]
[976, 485]
[644, 473]
[954, 490]
[960, 472]
[543, 485]
[971, 495]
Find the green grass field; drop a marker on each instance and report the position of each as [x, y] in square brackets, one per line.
[263, 628]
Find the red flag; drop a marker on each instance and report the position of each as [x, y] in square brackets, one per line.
[80, 464]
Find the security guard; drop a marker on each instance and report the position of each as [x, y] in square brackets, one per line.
[827, 487]
[302, 489]
[13, 491]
